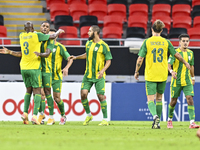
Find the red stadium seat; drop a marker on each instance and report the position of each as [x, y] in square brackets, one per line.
[84, 31]
[58, 9]
[138, 21]
[97, 2]
[70, 32]
[77, 10]
[3, 33]
[194, 33]
[161, 10]
[117, 10]
[195, 2]
[99, 10]
[76, 2]
[50, 2]
[113, 21]
[182, 22]
[196, 22]
[181, 10]
[165, 19]
[138, 9]
[112, 32]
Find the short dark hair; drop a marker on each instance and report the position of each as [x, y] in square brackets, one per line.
[183, 35]
[46, 22]
[158, 25]
[95, 28]
[53, 30]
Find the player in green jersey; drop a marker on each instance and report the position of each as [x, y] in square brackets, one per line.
[30, 66]
[155, 49]
[97, 52]
[182, 79]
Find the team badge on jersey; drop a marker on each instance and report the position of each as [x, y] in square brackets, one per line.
[189, 57]
[96, 48]
[54, 49]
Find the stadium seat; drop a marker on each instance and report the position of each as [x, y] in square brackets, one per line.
[161, 10]
[113, 21]
[3, 33]
[196, 22]
[174, 2]
[135, 32]
[1, 20]
[97, 2]
[194, 33]
[181, 10]
[138, 9]
[50, 2]
[162, 2]
[118, 2]
[195, 2]
[58, 9]
[77, 10]
[88, 21]
[63, 21]
[84, 31]
[138, 21]
[99, 10]
[70, 32]
[117, 10]
[174, 34]
[76, 2]
[140, 2]
[182, 22]
[112, 32]
[196, 11]
[165, 19]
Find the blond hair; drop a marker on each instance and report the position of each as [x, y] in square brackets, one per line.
[158, 25]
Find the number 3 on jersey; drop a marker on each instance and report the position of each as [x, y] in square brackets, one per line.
[160, 57]
[26, 51]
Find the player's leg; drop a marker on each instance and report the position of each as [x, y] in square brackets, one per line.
[189, 92]
[150, 92]
[85, 88]
[42, 107]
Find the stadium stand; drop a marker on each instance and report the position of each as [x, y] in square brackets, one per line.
[84, 31]
[138, 21]
[181, 2]
[117, 9]
[99, 10]
[140, 2]
[194, 33]
[196, 22]
[161, 10]
[3, 33]
[162, 2]
[135, 32]
[181, 10]
[58, 9]
[76, 2]
[63, 21]
[182, 22]
[1, 20]
[118, 2]
[88, 21]
[138, 9]
[77, 10]
[195, 11]
[50, 2]
[112, 32]
[97, 2]
[195, 2]
[174, 34]
[113, 21]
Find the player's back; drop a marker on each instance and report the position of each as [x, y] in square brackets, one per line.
[156, 59]
[29, 43]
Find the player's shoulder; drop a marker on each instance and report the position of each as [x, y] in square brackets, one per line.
[189, 50]
[60, 45]
[103, 43]
[178, 50]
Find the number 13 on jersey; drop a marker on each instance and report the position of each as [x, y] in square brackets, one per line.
[159, 57]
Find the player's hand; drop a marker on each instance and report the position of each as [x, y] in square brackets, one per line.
[65, 72]
[136, 75]
[61, 31]
[4, 51]
[100, 74]
[198, 133]
[174, 74]
[193, 82]
[37, 54]
[71, 57]
[187, 65]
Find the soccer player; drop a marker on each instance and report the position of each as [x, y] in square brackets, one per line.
[182, 79]
[155, 49]
[97, 52]
[30, 66]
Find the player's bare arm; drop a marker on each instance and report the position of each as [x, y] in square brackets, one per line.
[173, 73]
[65, 70]
[54, 35]
[45, 55]
[138, 65]
[192, 74]
[13, 53]
[180, 58]
[101, 72]
[83, 56]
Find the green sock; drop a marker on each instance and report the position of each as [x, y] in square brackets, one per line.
[171, 111]
[27, 99]
[104, 108]
[191, 112]
[61, 107]
[86, 105]
[159, 108]
[50, 104]
[37, 99]
[152, 108]
[42, 105]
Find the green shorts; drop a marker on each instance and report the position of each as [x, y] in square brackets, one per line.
[46, 79]
[32, 78]
[176, 91]
[99, 85]
[155, 87]
[57, 85]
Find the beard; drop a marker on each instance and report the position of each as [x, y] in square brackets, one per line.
[91, 37]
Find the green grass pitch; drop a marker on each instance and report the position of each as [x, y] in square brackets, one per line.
[120, 135]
